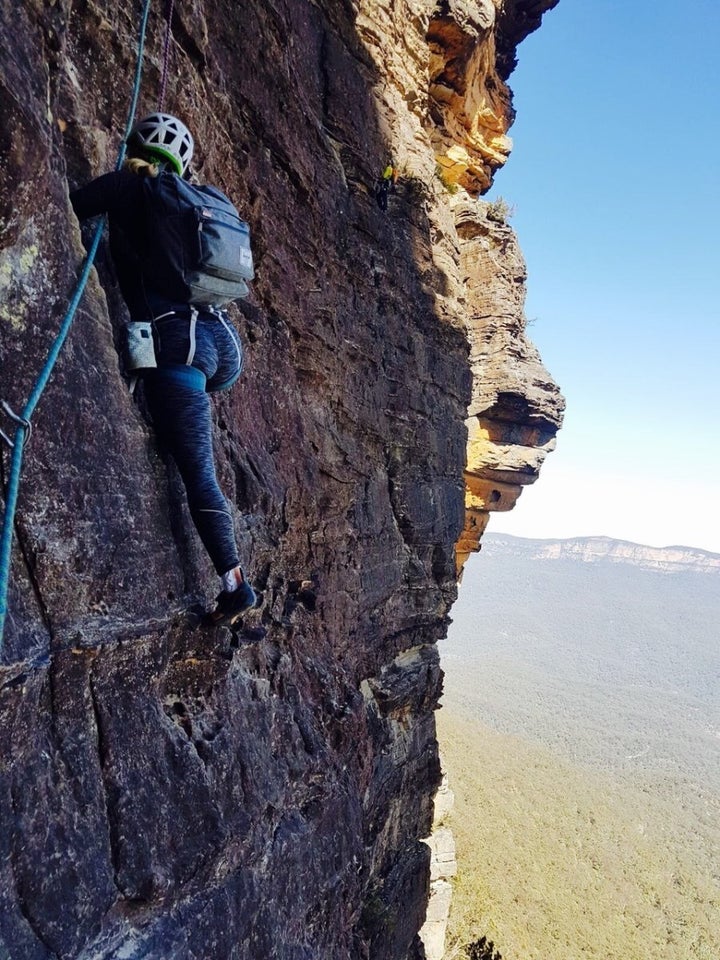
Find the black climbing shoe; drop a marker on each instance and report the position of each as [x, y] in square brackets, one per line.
[231, 604]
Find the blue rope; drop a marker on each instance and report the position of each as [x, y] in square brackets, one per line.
[23, 421]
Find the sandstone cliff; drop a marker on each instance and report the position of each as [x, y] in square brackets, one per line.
[175, 793]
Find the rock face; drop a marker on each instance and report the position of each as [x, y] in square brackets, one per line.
[443, 867]
[515, 407]
[175, 793]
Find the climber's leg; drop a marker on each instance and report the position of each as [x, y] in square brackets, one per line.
[182, 421]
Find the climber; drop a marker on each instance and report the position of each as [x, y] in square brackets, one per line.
[386, 184]
[197, 350]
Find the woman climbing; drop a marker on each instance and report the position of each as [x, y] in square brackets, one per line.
[197, 350]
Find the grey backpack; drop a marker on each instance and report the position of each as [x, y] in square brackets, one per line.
[199, 247]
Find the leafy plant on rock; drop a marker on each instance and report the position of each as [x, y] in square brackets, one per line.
[499, 210]
[482, 949]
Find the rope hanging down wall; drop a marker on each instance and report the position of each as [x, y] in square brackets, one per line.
[166, 55]
[22, 420]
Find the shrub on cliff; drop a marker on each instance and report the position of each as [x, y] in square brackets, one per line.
[482, 949]
[499, 210]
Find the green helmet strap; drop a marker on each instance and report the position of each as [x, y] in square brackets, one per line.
[165, 156]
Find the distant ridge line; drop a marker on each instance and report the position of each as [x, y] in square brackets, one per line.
[595, 549]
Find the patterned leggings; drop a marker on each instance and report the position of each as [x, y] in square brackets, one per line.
[194, 358]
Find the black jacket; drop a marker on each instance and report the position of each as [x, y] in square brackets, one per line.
[122, 196]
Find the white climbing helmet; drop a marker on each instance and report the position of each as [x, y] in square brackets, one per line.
[166, 138]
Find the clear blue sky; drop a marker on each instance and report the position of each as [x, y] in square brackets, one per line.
[615, 182]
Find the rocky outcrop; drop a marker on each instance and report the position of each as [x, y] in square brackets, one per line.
[168, 792]
[515, 409]
[457, 99]
[470, 107]
[472, 45]
[443, 867]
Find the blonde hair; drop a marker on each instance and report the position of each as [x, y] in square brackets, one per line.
[143, 168]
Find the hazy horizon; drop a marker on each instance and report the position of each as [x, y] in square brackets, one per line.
[489, 534]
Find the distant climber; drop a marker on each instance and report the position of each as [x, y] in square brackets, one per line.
[196, 348]
[386, 185]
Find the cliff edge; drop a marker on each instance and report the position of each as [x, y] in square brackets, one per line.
[168, 792]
